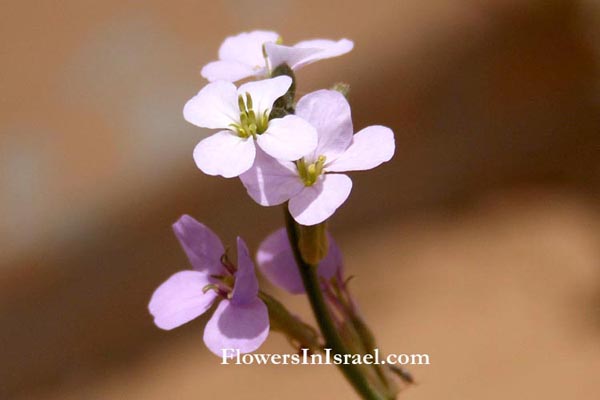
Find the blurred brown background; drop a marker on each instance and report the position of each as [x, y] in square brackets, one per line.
[479, 243]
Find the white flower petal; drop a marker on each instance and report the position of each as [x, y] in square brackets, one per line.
[288, 138]
[328, 49]
[306, 52]
[292, 56]
[329, 112]
[215, 106]
[265, 92]
[229, 71]
[270, 182]
[370, 147]
[246, 47]
[225, 154]
[314, 204]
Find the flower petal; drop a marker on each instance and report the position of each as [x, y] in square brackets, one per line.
[215, 106]
[246, 47]
[225, 154]
[229, 71]
[370, 147]
[245, 288]
[306, 52]
[271, 182]
[180, 299]
[329, 112]
[276, 262]
[314, 204]
[328, 49]
[238, 327]
[292, 56]
[265, 92]
[202, 247]
[288, 138]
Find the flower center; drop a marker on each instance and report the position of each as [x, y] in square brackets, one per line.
[309, 173]
[250, 124]
[225, 282]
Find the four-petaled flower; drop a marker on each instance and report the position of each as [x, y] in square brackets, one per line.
[241, 320]
[256, 53]
[311, 184]
[275, 259]
[244, 113]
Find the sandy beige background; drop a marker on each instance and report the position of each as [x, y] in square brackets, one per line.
[479, 243]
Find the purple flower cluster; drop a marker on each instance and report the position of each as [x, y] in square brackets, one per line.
[299, 158]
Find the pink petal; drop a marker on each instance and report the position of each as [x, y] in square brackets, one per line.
[202, 247]
[270, 182]
[292, 56]
[225, 154]
[314, 204]
[329, 112]
[328, 49]
[265, 92]
[180, 299]
[275, 260]
[288, 138]
[246, 47]
[245, 289]
[215, 106]
[238, 327]
[370, 147]
[229, 71]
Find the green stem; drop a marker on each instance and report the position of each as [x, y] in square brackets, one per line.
[322, 314]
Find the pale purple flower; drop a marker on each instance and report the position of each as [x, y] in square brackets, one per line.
[244, 114]
[256, 53]
[312, 184]
[241, 319]
[275, 260]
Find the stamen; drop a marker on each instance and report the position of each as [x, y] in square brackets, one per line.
[249, 124]
[228, 265]
[248, 102]
[211, 286]
[311, 172]
[241, 104]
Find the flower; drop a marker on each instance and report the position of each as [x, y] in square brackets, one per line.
[256, 53]
[241, 319]
[275, 260]
[311, 184]
[244, 112]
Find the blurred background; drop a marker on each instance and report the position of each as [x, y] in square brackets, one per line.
[479, 243]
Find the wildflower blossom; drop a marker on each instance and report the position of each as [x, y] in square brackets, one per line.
[312, 184]
[256, 53]
[241, 320]
[244, 114]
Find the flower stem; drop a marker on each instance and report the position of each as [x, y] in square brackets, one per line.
[333, 340]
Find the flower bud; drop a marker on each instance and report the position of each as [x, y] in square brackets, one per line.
[313, 243]
[342, 87]
[285, 104]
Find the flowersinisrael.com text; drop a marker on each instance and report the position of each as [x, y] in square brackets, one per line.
[234, 357]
